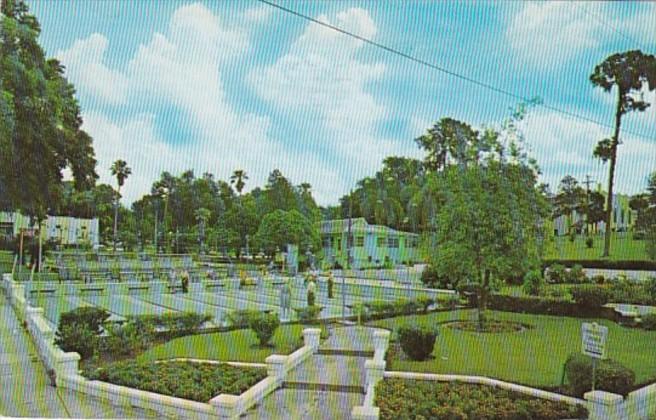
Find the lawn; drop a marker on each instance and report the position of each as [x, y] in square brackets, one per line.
[533, 357]
[232, 346]
[622, 247]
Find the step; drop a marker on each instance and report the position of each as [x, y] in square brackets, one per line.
[346, 352]
[301, 404]
[358, 389]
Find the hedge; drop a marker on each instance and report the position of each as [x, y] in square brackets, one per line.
[605, 264]
[547, 306]
[410, 399]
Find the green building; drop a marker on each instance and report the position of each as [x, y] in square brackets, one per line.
[371, 245]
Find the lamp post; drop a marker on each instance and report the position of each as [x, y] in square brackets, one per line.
[348, 256]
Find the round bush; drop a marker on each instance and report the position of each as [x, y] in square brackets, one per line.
[417, 342]
[611, 376]
[557, 273]
[533, 283]
[264, 326]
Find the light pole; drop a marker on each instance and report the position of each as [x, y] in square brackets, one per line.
[348, 256]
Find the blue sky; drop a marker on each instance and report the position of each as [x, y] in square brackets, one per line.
[216, 86]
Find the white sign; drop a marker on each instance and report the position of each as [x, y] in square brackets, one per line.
[594, 340]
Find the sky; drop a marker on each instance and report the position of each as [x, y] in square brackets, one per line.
[222, 85]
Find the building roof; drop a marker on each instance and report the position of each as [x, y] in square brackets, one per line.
[358, 225]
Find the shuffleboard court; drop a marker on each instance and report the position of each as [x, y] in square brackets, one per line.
[230, 303]
[127, 305]
[181, 303]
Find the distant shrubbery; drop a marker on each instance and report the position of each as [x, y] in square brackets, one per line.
[558, 274]
[409, 399]
[610, 375]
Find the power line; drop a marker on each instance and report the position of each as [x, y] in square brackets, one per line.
[447, 71]
[607, 24]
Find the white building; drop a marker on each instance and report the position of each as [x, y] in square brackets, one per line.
[63, 229]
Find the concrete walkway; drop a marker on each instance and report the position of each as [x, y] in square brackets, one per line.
[327, 385]
[25, 389]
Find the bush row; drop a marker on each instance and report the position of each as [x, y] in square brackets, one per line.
[410, 399]
[383, 309]
[193, 381]
[81, 330]
[605, 264]
[547, 306]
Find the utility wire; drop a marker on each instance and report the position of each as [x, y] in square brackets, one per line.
[447, 71]
[607, 24]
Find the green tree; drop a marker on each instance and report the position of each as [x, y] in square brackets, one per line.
[280, 228]
[630, 73]
[569, 199]
[121, 171]
[40, 120]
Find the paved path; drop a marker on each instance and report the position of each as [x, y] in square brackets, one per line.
[25, 389]
[327, 385]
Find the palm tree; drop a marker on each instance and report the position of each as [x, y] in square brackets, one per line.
[238, 179]
[630, 73]
[121, 171]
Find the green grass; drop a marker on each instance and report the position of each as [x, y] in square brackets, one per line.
[232, 346]
[622, 247]
[534, 357]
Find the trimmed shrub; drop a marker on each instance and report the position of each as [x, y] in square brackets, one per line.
[79, 330]
[610, 375]
[417, 342]
[430, 278]
[308, 314]
[589, 242]
[264, 326]
[533, 283]
[129, 338]
[590, 297]
[174, 324]
[625, 291]
[576, 275]
[557, 273]
[241, 318]
[649, 322]
[88, 316]
[78, 338]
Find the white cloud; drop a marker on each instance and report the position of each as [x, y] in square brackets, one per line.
[85, 65]
[183, 67]
[548, 34]
[563, 146]
[258, 14]
[322, 78]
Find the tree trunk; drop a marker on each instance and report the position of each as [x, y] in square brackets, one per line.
[116, 216]
[482, 301]
[611, 173]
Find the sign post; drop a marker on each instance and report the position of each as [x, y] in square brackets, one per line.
[593, 344]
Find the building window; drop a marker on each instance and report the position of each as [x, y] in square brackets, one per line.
[622, 217]
[411, 242]
[339, 244]
[359, 241]
[350, 241]
[380, 242]
[393, 242]
[327, 241]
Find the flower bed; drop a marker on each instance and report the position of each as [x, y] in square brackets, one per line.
[193, 381]
[490, 326]
[403, 398]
